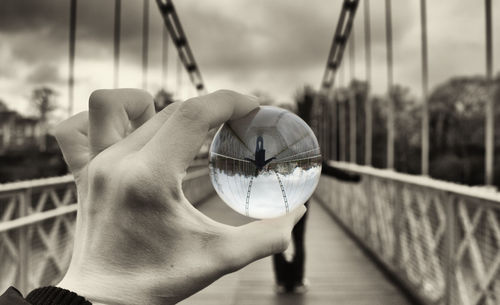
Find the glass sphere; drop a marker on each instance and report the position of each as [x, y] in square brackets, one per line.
[266, 163]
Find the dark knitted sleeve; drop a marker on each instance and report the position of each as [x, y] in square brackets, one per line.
[55, 296]
[12, 296]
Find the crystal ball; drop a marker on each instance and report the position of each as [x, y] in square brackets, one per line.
[265, 164]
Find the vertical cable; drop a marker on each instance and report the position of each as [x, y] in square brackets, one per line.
[368, 103]
[145, 37]
[326, 125]
[341, 113]
[425, 90]
[179, 79]
[116, 45]
[333, 122]
[352, 126]
[342, 76]
[490, 116]
[351, 98]
[72, 42]
[342, 129]
[352, 54]
[322, 144]
[164, 58]
[390, 81]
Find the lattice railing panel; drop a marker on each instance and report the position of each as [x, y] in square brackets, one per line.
[477, 255]
[32, 246]
[50, 244]
[442, 240]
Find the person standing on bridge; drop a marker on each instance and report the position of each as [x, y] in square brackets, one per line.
[289, 270]
[138, 240]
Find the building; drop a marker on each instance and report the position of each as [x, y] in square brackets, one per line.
[18, 132]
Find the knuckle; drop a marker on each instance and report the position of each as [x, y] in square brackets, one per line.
[225, 93]
[99, 174]
[141, 183]
[66, 129]
[144, 96]
[62, 130]
[132, 179]
[98, 99]
[137, 99]
[167, 111]
[281, 243]
[191, 110]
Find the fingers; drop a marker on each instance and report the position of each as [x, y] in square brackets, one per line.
[137, 139]
[72, 136]
[262, 238]
[113, 112]
[178, 141]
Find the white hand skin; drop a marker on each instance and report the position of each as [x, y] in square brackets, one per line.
[138, 240]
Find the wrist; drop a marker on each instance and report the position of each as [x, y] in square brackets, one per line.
[51, 295]
[107, 287]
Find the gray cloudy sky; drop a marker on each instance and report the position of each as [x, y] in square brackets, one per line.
[274, 46]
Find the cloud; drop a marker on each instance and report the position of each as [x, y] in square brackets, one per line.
[245, 45]
[44, 74]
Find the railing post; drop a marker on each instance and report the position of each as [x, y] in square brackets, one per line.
[450, 240]
[23, 243]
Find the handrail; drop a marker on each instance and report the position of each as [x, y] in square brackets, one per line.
[42, 182]
[480, 192]
[38, 217]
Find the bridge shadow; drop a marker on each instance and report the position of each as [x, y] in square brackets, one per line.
[338, 271]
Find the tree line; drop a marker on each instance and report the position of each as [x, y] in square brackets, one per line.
[457, 126]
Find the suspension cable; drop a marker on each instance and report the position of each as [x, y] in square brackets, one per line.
[180, 41]
[334, 60]
[340, 38]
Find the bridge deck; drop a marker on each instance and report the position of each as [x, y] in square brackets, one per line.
[339, 273]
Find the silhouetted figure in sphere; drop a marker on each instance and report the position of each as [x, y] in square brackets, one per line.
[260, 155]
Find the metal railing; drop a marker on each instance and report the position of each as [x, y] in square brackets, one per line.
[37, 220]
[440, 239]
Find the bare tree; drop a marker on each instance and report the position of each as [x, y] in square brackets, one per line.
[43, 100]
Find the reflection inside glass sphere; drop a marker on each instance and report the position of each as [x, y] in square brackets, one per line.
[265, 164]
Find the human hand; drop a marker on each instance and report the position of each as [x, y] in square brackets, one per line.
[138, 240]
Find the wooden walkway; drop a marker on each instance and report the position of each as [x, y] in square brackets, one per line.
[338, 272]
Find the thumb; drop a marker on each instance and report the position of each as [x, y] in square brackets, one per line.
[262, 238]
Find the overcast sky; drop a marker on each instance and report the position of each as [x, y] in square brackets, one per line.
[246, 45]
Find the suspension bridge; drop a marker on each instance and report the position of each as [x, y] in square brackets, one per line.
[393, 238]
